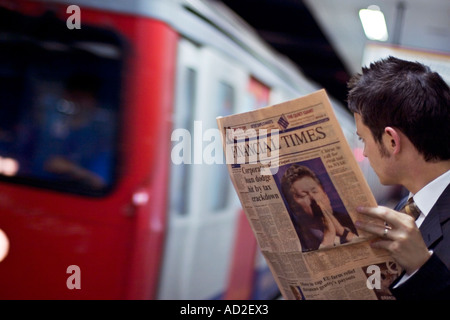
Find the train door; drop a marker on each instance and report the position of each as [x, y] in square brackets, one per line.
[203, 204]
[172, 278]
[216, 201]
[249, 276]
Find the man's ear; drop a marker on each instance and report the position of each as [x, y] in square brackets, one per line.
[391, 140]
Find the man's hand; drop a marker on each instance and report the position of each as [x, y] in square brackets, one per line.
[402, 239]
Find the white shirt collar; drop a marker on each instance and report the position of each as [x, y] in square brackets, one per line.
[426, 197]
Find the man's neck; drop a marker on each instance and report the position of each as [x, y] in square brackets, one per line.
[423, 173]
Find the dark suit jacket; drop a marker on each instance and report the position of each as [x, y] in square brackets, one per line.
[432, 280]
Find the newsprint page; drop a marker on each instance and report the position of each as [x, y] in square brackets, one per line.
[299, 186]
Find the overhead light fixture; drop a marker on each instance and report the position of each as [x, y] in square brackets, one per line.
[373, 23]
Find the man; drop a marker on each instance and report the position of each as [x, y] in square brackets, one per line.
[316, 223]
[402, 115]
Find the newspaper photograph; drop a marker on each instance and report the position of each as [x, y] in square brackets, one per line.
[299, 185]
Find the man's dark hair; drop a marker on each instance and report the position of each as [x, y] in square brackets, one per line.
[407, 96]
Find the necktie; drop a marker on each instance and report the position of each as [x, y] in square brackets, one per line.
[410, 208]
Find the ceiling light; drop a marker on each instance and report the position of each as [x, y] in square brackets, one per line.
[374, 24]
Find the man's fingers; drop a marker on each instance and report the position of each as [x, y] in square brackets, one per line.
[389, 216]
[375, 229]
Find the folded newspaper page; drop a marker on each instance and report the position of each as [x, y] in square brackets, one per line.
[299, 186]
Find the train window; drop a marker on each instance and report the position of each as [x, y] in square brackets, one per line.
[181, 173]
[59, 98]
[220, 187]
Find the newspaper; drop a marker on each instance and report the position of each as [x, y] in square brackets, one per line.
[299, 186]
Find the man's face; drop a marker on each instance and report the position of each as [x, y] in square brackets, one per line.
[379, 157]
[304, 190]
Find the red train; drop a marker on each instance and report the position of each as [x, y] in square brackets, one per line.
[91, 203]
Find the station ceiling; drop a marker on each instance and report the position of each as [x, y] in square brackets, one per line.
[325, 37]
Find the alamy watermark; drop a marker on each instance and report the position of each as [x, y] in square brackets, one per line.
[74, 280]
[380, 276]
[250, 146]
[74, 20]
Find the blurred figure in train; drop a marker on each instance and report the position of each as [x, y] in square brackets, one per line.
[71, 135]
